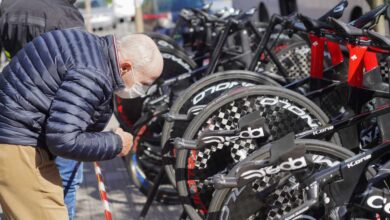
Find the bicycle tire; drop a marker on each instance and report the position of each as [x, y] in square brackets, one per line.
[186, 100]
[175, 63]
[221, 200]
[144, 162]
[236, 96]
[165, 41]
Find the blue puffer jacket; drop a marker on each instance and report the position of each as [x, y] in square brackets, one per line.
[56, 93]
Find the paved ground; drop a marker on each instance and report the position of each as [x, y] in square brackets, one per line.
[125, 199]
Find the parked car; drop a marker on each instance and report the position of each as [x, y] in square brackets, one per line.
[102, 16]
[124, 10]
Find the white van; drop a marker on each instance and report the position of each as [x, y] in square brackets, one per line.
[124, 10]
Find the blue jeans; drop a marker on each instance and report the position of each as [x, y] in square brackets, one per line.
[72, 175]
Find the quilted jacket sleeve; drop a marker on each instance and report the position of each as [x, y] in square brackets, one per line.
[71, 112]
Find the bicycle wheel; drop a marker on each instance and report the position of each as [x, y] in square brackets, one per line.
[141, 161]
[144, 161]
[295, 59]
[283, 40]
[284, 111]
[165, 41]
[128, 111]
[245, 202]
[200, 94]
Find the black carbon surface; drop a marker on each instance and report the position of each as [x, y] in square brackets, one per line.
[221, 157]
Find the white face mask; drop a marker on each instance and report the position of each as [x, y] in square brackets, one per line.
[137, 90]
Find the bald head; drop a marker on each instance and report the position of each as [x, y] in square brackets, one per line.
[139, 53]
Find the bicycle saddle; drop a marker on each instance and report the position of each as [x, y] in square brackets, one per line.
[368, 20]
[250, 12]
[322, 23]
[186, 14]
[208, 17]
[227, 12]
[335, 12]
[379, 39]
[207, 6]
[244, 16]
[313, 24]
[345, 28]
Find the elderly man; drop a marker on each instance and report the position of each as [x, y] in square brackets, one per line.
[55, 98]
[20, 22]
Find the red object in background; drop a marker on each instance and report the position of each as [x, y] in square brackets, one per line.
[317, 56]
[355, 69]
[155, 16]
[360, 59]
[124, 118]
[335, 52]
[370, 61]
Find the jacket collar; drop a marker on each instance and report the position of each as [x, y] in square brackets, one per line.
[113, 60]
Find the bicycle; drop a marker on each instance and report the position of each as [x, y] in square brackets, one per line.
[149, 154]
[196, 125]
[344, 175]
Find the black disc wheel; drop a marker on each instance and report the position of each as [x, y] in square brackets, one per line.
[201, 93]
[284, 111]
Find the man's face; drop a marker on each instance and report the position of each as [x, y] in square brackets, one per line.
[137, 81]
[131, 75]
[137, 73]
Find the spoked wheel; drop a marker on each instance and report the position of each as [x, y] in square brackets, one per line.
[256, 200]
[147, 150]
[196, 97]
[284, 111]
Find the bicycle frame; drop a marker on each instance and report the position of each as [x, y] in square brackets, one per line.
[345, 183]
[348, 177]
[365, 60]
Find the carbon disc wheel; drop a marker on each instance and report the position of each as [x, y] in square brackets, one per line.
[284, 111]
[250, 201]
[200, 94]
[295, 59]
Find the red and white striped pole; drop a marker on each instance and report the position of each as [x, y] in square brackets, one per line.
[102, 191]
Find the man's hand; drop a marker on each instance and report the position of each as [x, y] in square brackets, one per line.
[127, 141]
